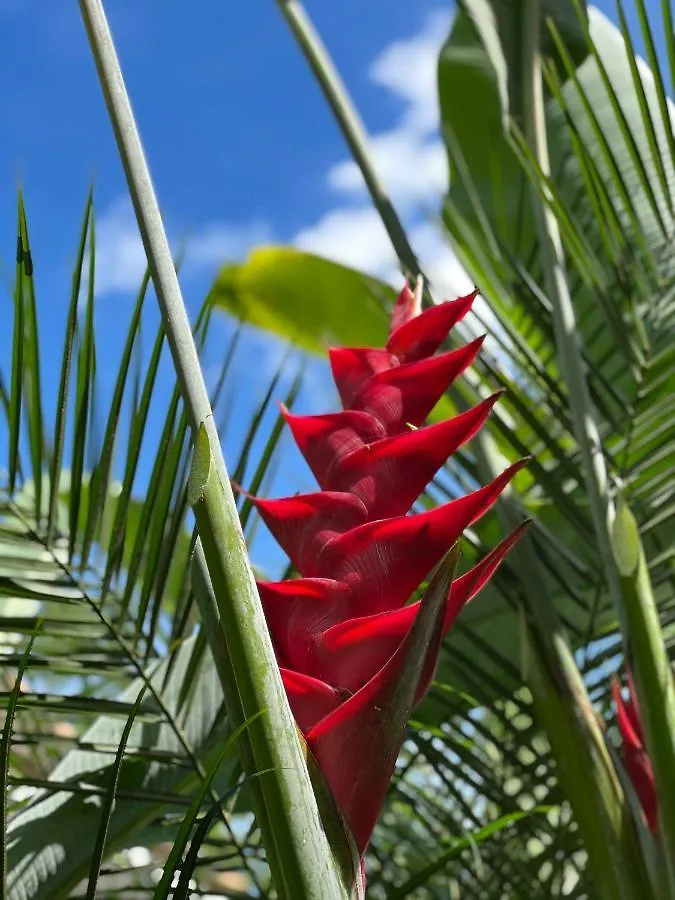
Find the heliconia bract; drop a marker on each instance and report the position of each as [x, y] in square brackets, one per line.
[340, 629]
[636, 761]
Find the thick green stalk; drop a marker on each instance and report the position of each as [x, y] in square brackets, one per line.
[302, 856]
[653, 677]
[586, 770]
[565, 711]
[253, 667]
[207, 603]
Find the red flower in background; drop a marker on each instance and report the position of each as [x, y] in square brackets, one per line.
[635, 758]
[340, 630]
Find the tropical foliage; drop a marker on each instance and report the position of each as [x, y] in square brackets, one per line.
[120, 762]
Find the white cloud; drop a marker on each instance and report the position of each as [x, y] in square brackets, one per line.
[408, 69]
[357, 238]
[449, 279]
[444, 271]
[353, 237]
[218, 243]
[120, 256]
[412, 168]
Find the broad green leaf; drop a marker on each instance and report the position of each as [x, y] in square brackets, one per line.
[501, 27]
[603, 193]
[303, 298]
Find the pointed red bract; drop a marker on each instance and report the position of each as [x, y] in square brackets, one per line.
[325, 441]
[385, 560]
[311, 700]
[351, 651]
[635, 757]
[355, 366]
[298, 612]
[409, 460]
[408, 306]
[344, 633]
[305, 525]
[370, 724]
[423, 335]
[406, 395]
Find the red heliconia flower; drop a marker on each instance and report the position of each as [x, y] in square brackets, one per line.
[342, 630]
[636, 761]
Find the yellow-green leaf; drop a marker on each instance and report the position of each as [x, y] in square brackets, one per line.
[305, 299]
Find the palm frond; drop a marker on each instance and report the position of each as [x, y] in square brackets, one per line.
[120, 715]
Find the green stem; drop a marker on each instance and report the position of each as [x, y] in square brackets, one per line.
[302, 856]
[350, 123]
[207, 604]
[259, 686]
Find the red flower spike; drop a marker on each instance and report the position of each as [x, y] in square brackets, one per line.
[635, 758]
[354, 658]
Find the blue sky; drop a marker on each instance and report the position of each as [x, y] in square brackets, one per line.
[241, 145]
